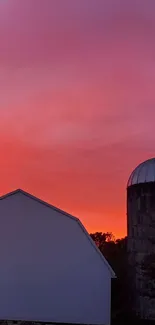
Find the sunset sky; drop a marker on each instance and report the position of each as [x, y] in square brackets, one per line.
[77, 102]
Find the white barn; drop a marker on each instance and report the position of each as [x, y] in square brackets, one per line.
[50, 268]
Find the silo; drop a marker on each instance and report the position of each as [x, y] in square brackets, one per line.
[141, 238]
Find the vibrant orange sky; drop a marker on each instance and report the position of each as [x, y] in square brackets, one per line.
[77, 102]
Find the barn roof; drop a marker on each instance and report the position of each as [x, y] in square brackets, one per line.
[67, 215]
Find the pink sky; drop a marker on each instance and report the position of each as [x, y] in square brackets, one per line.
[77, 102]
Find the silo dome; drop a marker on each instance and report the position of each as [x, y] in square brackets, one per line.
[143, 173]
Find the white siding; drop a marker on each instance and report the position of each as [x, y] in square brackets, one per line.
[49, 270]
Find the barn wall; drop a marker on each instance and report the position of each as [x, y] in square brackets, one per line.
[49, 269]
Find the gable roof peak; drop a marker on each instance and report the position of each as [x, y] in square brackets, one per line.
[66, 214]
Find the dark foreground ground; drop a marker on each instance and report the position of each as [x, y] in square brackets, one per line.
[134, 321]
[127, 321]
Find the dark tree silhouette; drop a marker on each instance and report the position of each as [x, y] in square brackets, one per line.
[115, 251]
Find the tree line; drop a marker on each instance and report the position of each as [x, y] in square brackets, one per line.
[115, 252]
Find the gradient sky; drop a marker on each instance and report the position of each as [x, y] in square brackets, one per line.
[77, 102]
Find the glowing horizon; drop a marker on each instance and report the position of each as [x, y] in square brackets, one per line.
[77, 102]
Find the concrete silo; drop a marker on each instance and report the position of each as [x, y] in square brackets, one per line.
[141, 238]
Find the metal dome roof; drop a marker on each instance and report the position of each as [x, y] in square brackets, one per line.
[143, 173]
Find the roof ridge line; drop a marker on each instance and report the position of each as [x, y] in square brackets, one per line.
[68, 215]
[38, 200]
